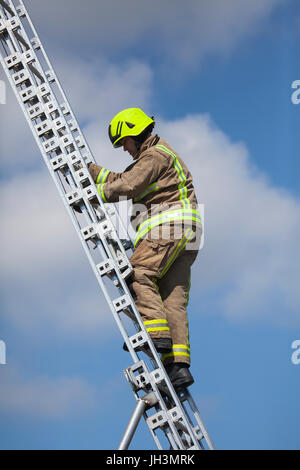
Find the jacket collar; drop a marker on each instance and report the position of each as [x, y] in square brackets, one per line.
[152, 140]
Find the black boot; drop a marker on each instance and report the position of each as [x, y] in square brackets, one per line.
[179, 374]
[162, 345]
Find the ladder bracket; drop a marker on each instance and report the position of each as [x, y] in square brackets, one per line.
[29, 56]
[37, 110]
[27, 95]
[122, 262]
[58, 162]
[90, 192]
[82, 176]
[106, 267]
[175, 414]
[13, 59]
[35, 42]
[157, 420]
[21, 77]
[51, 145]
[137, 375]
[50, 76]
[21, 11]
[127, 273]
[139, 339]
[89, 232]
[106, 227]
[121, 303]
[157, 375]
[13, 22]
[73, 197]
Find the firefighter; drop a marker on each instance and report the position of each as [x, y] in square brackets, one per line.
[168, 232]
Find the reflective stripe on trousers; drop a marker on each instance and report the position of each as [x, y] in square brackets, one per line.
[157, 325]
[178, 350]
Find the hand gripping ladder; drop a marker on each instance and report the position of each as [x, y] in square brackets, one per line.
[173, 418]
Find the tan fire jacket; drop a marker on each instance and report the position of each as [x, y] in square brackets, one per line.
[159, 184]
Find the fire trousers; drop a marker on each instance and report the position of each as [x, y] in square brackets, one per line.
[161, 281]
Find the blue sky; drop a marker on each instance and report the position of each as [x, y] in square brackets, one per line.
[218, 79]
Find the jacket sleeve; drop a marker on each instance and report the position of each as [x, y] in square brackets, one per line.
[101, 175]
[135, 179]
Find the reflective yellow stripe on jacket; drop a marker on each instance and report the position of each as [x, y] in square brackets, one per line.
[101, 192]
[150, 189]
[101, 178]
[167, 216]
[182, 185]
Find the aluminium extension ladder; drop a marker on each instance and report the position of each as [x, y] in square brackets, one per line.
[172, 418]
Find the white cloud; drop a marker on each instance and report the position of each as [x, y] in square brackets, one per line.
[17, 147]
[97, 90]
[184, 32]
[251, 239]
[38, 235]
[41, 255]
[43, 260]
[100, 91]
[44, 397]
[251, 228]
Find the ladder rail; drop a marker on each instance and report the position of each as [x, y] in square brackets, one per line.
[56, 103]
[63, 155]
[61, 89]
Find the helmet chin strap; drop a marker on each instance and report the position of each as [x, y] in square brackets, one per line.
[138, 143]
[138, 147]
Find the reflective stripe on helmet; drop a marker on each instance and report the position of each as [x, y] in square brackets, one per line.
[117, 136]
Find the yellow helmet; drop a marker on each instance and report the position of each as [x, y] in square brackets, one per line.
[130, 122]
